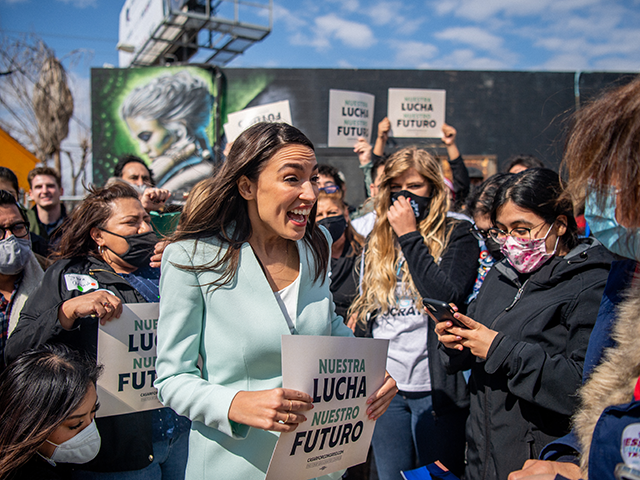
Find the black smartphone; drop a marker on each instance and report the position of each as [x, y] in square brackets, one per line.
[441, 311]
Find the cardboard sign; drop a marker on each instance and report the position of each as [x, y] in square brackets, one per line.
[339, 373]
[416, 113]
[127, 349]
[350, 117]
[238, 122]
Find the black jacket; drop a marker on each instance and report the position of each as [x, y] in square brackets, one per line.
[524, 393]
[344, 282]
[451, 281]
[126, 439]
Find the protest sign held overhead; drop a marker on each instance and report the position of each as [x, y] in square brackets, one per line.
[127, 349]
[238, 122]
[350, 117]
[416, 113]
[337, 433]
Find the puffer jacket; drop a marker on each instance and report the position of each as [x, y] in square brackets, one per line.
[523, 395]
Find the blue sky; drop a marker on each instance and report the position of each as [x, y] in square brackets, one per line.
[444, 34]
[554, 35]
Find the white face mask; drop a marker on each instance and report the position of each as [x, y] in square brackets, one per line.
[81, 448]
[14, 254]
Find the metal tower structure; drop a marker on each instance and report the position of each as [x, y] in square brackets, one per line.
[216, 31]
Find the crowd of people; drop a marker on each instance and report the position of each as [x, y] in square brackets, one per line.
[512, 328]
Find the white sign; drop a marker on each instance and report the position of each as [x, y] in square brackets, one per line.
[138, 21]
[350, 117]
[238, 122]
[339, 373]
[127, 349]
[416, 113]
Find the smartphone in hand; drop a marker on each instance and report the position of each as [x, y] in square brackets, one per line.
[441, 311]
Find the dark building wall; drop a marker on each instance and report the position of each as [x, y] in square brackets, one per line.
[495, 113]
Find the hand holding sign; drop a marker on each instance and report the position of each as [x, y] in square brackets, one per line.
[380, 399]
[278, 409]
[100, 303]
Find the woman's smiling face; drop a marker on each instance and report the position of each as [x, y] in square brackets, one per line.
[281, 199]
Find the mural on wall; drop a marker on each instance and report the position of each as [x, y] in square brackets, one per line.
[162, 114]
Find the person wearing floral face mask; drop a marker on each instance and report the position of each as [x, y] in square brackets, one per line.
[526, 334]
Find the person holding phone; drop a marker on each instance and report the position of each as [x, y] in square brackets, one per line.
[528, 329]
[416, 251]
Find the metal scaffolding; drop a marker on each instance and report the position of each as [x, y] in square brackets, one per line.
[225, 28]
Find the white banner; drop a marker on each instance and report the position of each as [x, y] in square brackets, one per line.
[238, 122]
[350, 117]
[127, 349]
[138, 21]
[416, 112]
[337, 433]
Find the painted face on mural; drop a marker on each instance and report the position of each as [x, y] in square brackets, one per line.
[153, 138]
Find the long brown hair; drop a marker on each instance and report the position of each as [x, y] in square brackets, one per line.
[603, 149]
[222, 214]
[383, 253]
[94, 211]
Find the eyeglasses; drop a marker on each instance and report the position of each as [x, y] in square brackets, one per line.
[19, 229]
[519, 234]
[479, 234]
[329, 189]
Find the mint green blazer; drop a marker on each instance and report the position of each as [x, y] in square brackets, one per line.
[237, 331]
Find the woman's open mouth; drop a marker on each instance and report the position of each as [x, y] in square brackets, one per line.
[299, 216]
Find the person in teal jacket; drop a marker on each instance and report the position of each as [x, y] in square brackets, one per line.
[246, 266]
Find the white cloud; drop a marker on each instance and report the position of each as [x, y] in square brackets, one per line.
[347, 5]
[289, 19]
[481, 10]
[474, 36]
[81, 3]
[412, 53]
[344, 64]
[467, 59]
[618, 64]
[352, 34]
[383, 13]
[328, 27]
[566, 62]
[394, 13]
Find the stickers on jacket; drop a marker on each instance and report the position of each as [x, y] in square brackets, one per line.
[630, 445]
[82, 283]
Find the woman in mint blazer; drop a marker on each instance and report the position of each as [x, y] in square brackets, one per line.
[246, 266]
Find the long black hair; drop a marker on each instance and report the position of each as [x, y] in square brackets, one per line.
[539, 191]
[222, 213]
[38, 391]
[481, 199]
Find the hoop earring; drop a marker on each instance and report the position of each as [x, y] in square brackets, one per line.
[100, 249]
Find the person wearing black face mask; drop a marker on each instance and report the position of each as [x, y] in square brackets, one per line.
[415, 251]
[345, 250]
[102, 263]
[479, 207]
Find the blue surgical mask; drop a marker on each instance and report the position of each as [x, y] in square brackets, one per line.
[605, 227]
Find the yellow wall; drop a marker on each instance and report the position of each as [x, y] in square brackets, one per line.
[17, 158]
